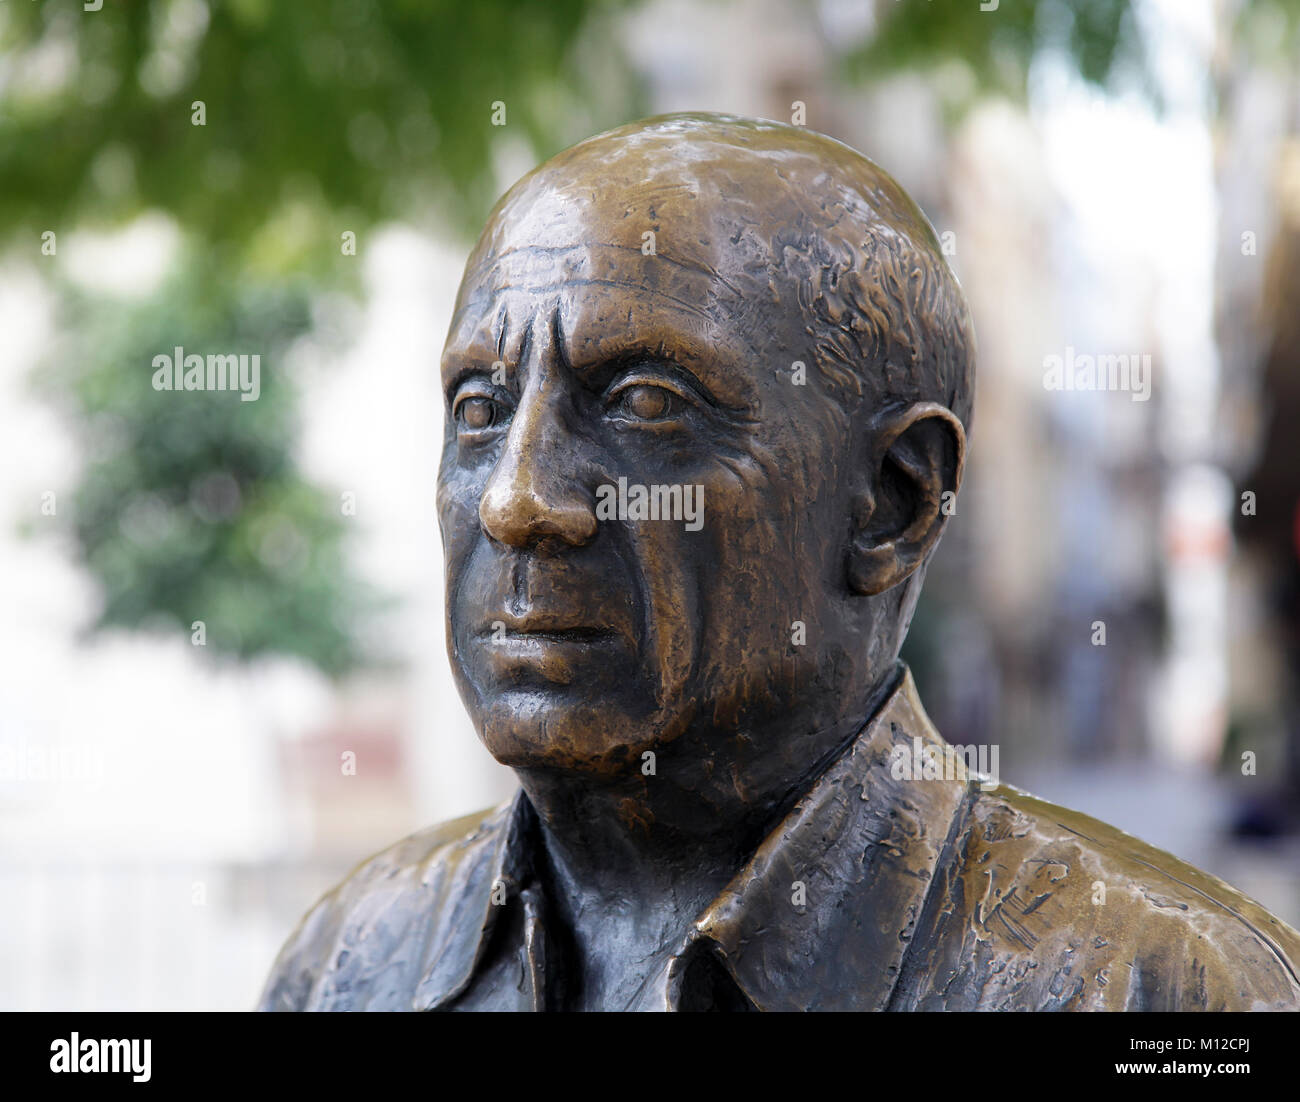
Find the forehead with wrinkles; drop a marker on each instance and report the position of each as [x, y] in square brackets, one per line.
[724, 197]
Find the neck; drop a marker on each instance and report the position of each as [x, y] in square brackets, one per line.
[657, 849]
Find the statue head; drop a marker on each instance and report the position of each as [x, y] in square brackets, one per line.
[708, 383]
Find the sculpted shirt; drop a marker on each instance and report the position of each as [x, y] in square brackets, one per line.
[879, 891]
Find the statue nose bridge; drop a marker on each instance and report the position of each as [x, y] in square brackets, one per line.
[536, 487]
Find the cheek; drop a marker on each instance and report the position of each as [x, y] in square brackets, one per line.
[769, 563]
[458, 500]
[668, 561]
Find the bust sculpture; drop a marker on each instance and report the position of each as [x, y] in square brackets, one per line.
[708, 386]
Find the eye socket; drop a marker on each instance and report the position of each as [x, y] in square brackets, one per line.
[639, 400]
[476, 412]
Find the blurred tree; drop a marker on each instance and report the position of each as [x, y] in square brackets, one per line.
[314, 118]
[996, 41]
[189, 508]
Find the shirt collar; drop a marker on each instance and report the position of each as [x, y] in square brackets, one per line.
[837, 888]
[483, 870]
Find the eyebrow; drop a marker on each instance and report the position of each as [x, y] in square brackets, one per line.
[601, 373]
[484, 346]
[465, 370]
[595, 357]
[606, 358]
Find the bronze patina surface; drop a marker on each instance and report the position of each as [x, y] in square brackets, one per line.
[708, 385]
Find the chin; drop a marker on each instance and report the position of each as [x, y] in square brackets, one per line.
[525, 730]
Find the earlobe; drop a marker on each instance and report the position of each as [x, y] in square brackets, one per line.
[915, 469]
[873, 570]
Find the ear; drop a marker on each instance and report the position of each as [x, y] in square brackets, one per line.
[914, 470]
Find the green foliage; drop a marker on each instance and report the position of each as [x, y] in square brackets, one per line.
[189, 507]
[995, 48]
[332, 115]
[971, 52]
[1268, 31]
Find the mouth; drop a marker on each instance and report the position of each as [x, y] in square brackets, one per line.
[553, 652]
[542, 628]
[555, 635]
[515, 636]
[537, 640]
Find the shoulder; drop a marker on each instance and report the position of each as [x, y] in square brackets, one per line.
[367, 943]
[1050, 908]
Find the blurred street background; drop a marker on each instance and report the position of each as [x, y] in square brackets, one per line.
[223, 678]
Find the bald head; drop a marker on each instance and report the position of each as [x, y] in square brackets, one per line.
[826, 255]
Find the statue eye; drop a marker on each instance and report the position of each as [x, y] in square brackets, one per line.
[476, 412]
[645, 402]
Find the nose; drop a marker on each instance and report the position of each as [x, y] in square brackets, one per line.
[532, 493]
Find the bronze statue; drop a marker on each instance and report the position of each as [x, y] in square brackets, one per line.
[708, 386]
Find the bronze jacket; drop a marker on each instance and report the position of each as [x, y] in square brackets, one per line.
[877, 892]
